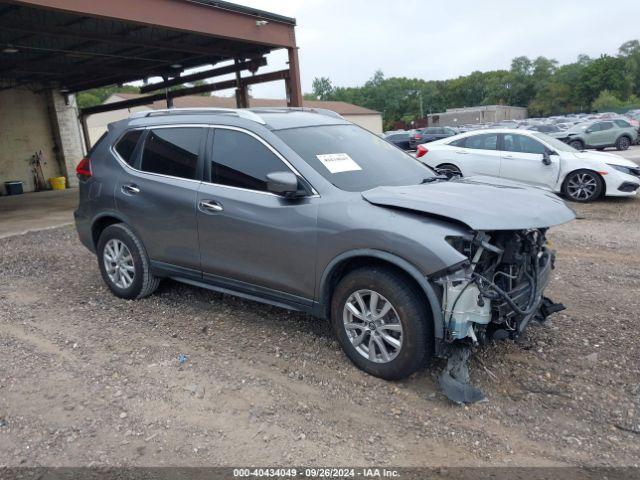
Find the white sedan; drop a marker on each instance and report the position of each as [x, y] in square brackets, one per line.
[533, 158]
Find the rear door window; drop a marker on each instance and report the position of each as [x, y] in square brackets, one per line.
[172, 151]
[127, 145]
[487, 141]
[622, 123]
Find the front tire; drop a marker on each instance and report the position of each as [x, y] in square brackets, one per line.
[124, 263]
[382, 323]
[583, 186]
[623, 143]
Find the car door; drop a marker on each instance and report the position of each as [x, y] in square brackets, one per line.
[477, 154]
[522, 160]
[157, 195]
[599, 134]
[250, 239]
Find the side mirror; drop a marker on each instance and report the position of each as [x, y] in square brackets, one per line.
[284, 183]
[588, 130]
[546, 158]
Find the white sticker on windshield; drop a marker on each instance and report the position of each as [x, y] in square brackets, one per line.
[338, 162]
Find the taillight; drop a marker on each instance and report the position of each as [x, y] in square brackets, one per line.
[417, 136]
[84, 168]
[422, 151]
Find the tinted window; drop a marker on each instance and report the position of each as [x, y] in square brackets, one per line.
[606, 126]
[172, 151]
[458, 143]
[352, 158]
[127, 145]
[522, 144]
[622, 123]
[239, 160]
[487, 141]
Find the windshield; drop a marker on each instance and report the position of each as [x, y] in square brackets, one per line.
[354, 159]
[554, 143]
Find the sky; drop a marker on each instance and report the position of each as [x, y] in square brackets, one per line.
[348, 40]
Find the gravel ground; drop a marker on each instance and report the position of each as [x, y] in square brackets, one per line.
[89, 379]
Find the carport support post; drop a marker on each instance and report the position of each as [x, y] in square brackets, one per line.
[294, 90]
[67, 133]
[242, 100]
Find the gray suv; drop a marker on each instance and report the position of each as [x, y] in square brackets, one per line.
[301, 209]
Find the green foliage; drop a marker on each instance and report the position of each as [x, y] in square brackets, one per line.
[541, 85]
[96, 96]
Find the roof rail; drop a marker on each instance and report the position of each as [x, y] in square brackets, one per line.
[320, 111]
[239, 112]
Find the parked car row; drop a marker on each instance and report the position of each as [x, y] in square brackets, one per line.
[581, 131]
[537, 159]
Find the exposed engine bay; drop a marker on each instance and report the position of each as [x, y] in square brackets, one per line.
[493, 296]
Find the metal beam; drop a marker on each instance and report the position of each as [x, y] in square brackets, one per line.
[216, 72]
[116, 38]
[194, 17]
[210, 87]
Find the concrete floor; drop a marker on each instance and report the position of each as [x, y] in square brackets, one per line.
[36, 211]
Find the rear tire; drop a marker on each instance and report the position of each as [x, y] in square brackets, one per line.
[583, 186]
[449, 170]
[623, 143]
[577, 144]
[124, 263]
[407, 322]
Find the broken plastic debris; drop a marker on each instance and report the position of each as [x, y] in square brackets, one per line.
[454, 380]
[182, 358]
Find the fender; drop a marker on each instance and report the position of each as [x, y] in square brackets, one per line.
[427, 288]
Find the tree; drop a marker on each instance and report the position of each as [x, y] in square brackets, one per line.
[606, 101]
[322, 88]
[540, 84]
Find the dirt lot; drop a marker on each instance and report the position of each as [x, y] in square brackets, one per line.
[88, 379]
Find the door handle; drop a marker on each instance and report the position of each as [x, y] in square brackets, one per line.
[209, 206]
[130, 189]
[462, 152]
[508, 156]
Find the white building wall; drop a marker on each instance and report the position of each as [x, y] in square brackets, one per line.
[25, 128]
[371, 122]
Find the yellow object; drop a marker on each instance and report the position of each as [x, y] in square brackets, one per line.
[58, 183]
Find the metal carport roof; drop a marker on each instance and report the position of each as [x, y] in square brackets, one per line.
[74, 45]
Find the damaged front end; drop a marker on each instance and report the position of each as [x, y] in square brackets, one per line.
[494, 295]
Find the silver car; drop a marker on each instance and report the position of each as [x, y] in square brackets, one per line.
[304, 210]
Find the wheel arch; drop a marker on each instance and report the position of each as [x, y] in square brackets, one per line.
[101, 222]
[604, 183]
[351, 260]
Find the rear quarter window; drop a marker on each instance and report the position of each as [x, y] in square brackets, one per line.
[127, 145]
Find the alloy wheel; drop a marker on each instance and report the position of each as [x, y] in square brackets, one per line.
[582, 186]
[624, 143]
[118, 263]
[373, 326]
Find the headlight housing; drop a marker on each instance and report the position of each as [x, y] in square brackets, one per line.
[628, 170]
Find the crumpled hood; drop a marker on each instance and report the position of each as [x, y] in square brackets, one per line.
[482, 203]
